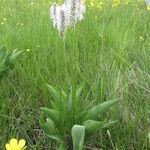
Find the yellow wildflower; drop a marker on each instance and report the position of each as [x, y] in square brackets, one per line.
[127, 2]
[148, 7]
[116, 3]
[141, 37]
[92, 3]
[14, 144]
[28, 50]
[95, 4]
[4, 19]
[100, 5]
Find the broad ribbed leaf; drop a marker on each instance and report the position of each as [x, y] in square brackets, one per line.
[48, 126]
[78, 92]
[52, 114]
[78, 134]
[91, 126]
[55, 137]
[100, 108]
[57, 95]
[149, 137]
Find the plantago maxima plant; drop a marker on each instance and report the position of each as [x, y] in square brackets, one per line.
[7, 60]
[66, 15]
[71, 123]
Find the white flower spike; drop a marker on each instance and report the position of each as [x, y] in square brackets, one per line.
[66, 15]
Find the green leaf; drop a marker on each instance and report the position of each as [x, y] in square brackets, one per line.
[55, 137]
[52, 114]
[48, 126]
[57, 95]
[108, 124]
[149, 137]
[15, 54]
[91, 126]
[78, 92]
[3, 63]
[62, 146]
[2, 53]
[100, 108]
[69, 104]
[63, 93]
[78, 134]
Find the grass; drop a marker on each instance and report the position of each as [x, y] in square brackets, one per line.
[109, 52]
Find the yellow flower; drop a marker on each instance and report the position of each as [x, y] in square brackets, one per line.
[127, 2]
[92, 4]
[14, 144]
[116, 3]
[148, 7]
[141, 37]
[4, 19]
[100, 5]
[28, 50]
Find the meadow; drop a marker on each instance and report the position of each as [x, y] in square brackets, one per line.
[108, 52]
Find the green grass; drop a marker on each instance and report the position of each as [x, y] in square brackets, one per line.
[106, 54]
